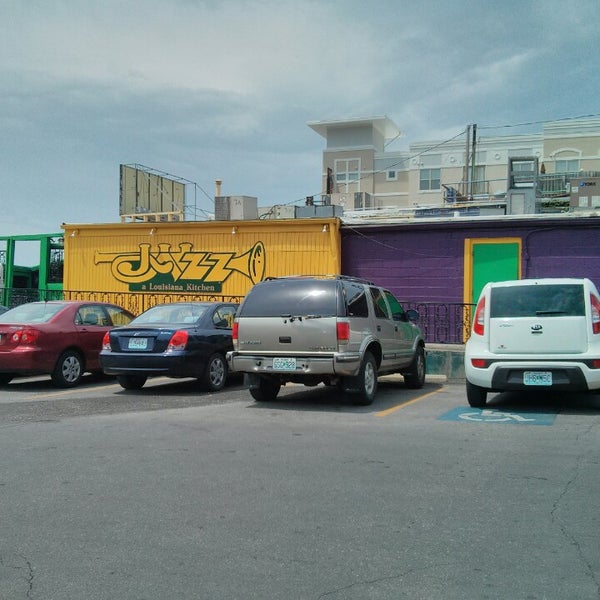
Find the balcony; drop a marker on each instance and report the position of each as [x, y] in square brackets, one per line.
[551, 186]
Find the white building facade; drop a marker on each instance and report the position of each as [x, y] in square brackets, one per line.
[359, 173]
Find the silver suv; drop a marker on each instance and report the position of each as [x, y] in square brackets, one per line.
[335, 330]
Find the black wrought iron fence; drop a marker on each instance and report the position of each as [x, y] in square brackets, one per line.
[12, 297]
[135, 302]
[441, 323]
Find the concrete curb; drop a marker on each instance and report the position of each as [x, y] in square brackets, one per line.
[445, 364]
[446, 360]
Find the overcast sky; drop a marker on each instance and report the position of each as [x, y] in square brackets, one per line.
[209, 90]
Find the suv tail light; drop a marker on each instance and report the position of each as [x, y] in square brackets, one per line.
[106, 341]
[595, 313]
[235, 334]
[25, 336]
[178, 341]
[479, 320]
[343, 331]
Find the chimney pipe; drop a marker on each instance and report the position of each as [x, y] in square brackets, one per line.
[218, 183]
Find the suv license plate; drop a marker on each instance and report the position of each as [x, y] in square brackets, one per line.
[284, 364]
[138, 343]
[537, 378]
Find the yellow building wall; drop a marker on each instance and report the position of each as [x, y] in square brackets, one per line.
[137, 265]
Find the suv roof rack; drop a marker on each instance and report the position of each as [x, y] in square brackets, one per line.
[322, 276]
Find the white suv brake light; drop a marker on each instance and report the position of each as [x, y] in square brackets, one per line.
[479, 320]
[595, 313]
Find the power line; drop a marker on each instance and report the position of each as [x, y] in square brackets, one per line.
[463, 132]
[539, 122]
[412, 156]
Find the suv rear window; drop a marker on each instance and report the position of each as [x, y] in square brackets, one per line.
[537, 301]
[296, 297]
[355, 299]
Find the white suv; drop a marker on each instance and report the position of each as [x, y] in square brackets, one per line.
[534, 334]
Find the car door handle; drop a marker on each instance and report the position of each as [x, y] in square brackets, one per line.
[378, 327]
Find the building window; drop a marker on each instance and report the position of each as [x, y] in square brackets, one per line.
[566, 165]
[391, 175]
[480, 185]
[429, 179]
[347, 173]
[525, 166]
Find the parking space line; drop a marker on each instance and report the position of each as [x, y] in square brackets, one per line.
[392, 409]
[154, 381]
[71, 391]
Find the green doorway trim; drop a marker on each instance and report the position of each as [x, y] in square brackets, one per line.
[488, 259]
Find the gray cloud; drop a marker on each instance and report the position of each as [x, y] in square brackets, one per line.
[206, 89]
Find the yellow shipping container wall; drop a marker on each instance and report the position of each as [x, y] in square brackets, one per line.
[137, 265]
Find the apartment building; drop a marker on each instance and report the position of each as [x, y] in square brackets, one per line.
[470, 169]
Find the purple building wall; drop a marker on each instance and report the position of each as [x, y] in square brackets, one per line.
[424, 261]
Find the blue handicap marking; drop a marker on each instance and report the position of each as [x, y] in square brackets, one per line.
[501, 417]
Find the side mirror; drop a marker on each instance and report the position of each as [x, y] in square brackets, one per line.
[412, 315]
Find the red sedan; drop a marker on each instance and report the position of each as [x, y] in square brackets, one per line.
[59, 338]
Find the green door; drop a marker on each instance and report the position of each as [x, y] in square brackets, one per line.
[493, 261]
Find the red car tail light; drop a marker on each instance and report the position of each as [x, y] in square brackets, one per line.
[479, 321]
[26, 336]
[595, 313]
[479, 363]
[178, 341]
[343, 331]
[235, 331]
[106, 341]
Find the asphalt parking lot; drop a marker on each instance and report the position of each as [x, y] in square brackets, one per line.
[169, 492]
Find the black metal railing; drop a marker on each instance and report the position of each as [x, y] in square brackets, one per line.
[443, 323]
[549, 186]
[134, 302]
[440, 322]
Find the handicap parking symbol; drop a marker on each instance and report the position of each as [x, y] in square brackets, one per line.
[493, 416]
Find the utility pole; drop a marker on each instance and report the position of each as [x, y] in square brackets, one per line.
[466, 172]
[473, 158]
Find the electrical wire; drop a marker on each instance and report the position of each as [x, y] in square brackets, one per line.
[592, 116]
[463, 132]
[379, 171]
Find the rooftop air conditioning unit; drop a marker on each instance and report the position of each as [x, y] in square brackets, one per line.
[236, 208]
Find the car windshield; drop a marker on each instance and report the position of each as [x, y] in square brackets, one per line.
[294, 297]
[171, 314]
[35, 312]
[537, 301]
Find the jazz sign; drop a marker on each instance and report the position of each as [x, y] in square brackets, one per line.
[182, 268]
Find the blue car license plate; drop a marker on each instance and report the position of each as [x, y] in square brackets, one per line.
[537, 378]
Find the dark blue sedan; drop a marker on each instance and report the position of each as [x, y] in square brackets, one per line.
[182, 339]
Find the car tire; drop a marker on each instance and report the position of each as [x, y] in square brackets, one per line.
[68, 370]
[266, 391]
[6, 378]
[131, 382]
[367, 381]
[415, 377]
[215, 376]
[476, 396]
